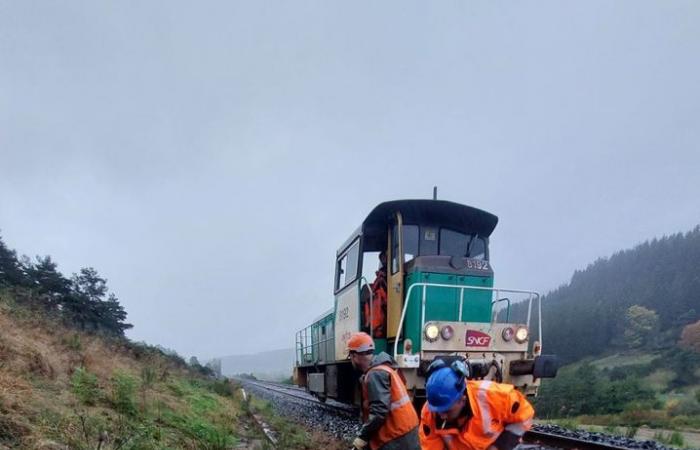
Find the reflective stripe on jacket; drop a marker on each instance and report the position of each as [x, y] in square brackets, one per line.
[496, 408]
[401, 417]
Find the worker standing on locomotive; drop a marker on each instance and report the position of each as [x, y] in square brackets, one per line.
[471, 415]
[389, 420]
[375, 315]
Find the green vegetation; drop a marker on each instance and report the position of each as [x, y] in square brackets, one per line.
[85, 386]
[587, 390]
[82, 301]
[70, 379]
[123, 394]
[640, 299]
[628, 327]
[291, 435]
[674, 439]
[643, 391]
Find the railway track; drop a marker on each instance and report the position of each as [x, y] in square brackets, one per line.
[301, 394]
[542, 439]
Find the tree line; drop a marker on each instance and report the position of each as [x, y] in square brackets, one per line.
[647, 297]
[82, 301]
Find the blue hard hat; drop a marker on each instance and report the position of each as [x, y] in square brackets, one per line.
[444, 387]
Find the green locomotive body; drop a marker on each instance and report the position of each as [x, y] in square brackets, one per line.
[439, 299]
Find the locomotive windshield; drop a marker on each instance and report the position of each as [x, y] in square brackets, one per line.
[429, 240]
[453, 243]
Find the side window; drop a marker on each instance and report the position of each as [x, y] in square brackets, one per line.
[341, 269]
[347, 266]
[353, 259]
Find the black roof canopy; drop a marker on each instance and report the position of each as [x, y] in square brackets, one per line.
[442, 213]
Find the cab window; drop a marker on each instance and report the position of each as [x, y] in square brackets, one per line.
[453, 243]
[346, 266]
[410, 242]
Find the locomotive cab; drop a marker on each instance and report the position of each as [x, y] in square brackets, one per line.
[433, 295]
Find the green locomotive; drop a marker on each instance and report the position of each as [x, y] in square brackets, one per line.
[433, 296]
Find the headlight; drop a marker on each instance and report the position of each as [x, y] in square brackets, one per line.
[508, 334]
[447, 332]
[431, 332]
[521, 335]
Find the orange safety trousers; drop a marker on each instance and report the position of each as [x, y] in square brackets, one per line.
[495, 408]
[402, 417]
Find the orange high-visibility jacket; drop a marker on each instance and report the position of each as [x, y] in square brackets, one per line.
[495, 408]
[402, 417]
[377, 312]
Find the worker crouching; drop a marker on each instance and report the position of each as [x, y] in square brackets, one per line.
[473, 415]
[389, 420]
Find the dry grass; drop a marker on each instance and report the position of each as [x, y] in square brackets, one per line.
[131, 397]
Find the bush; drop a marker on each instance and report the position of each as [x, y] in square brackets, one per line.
[684, 407]
[587, 391]
[85, 386]
[222, 387]
[674, 439]
[123, 393]
[684, 363]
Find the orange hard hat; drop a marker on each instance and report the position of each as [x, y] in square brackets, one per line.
[360, 342]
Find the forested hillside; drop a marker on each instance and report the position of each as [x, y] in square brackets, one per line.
[640, 298]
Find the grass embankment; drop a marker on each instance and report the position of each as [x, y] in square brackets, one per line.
[61, 389]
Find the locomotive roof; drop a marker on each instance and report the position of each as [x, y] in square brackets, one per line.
[442, 213]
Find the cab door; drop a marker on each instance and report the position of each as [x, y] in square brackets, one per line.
[394, 277]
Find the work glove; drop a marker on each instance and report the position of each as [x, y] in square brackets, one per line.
[359, 444]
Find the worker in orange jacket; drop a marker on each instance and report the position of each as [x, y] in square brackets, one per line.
[375, 313]
[389, 421]
[471, 415]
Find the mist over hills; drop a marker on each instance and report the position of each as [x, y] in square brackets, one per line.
[270, 365]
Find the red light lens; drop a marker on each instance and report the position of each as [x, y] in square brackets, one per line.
[447, 332]
[508, 334]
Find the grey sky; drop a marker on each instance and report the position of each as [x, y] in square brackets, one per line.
[209, 157]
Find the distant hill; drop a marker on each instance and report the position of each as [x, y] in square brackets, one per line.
[590, 315]
[271, 365]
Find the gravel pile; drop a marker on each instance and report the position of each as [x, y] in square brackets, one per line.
[618, 441]
[317, 416]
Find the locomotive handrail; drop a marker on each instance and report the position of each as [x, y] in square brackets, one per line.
[461, 302]
[301, 348]
[506, 299]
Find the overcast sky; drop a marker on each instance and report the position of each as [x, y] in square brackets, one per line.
[208, 158]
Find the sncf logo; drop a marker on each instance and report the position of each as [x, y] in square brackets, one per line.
[477, 339]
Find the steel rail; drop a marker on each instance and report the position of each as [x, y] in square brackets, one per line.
[275, 387]
[566, 442]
